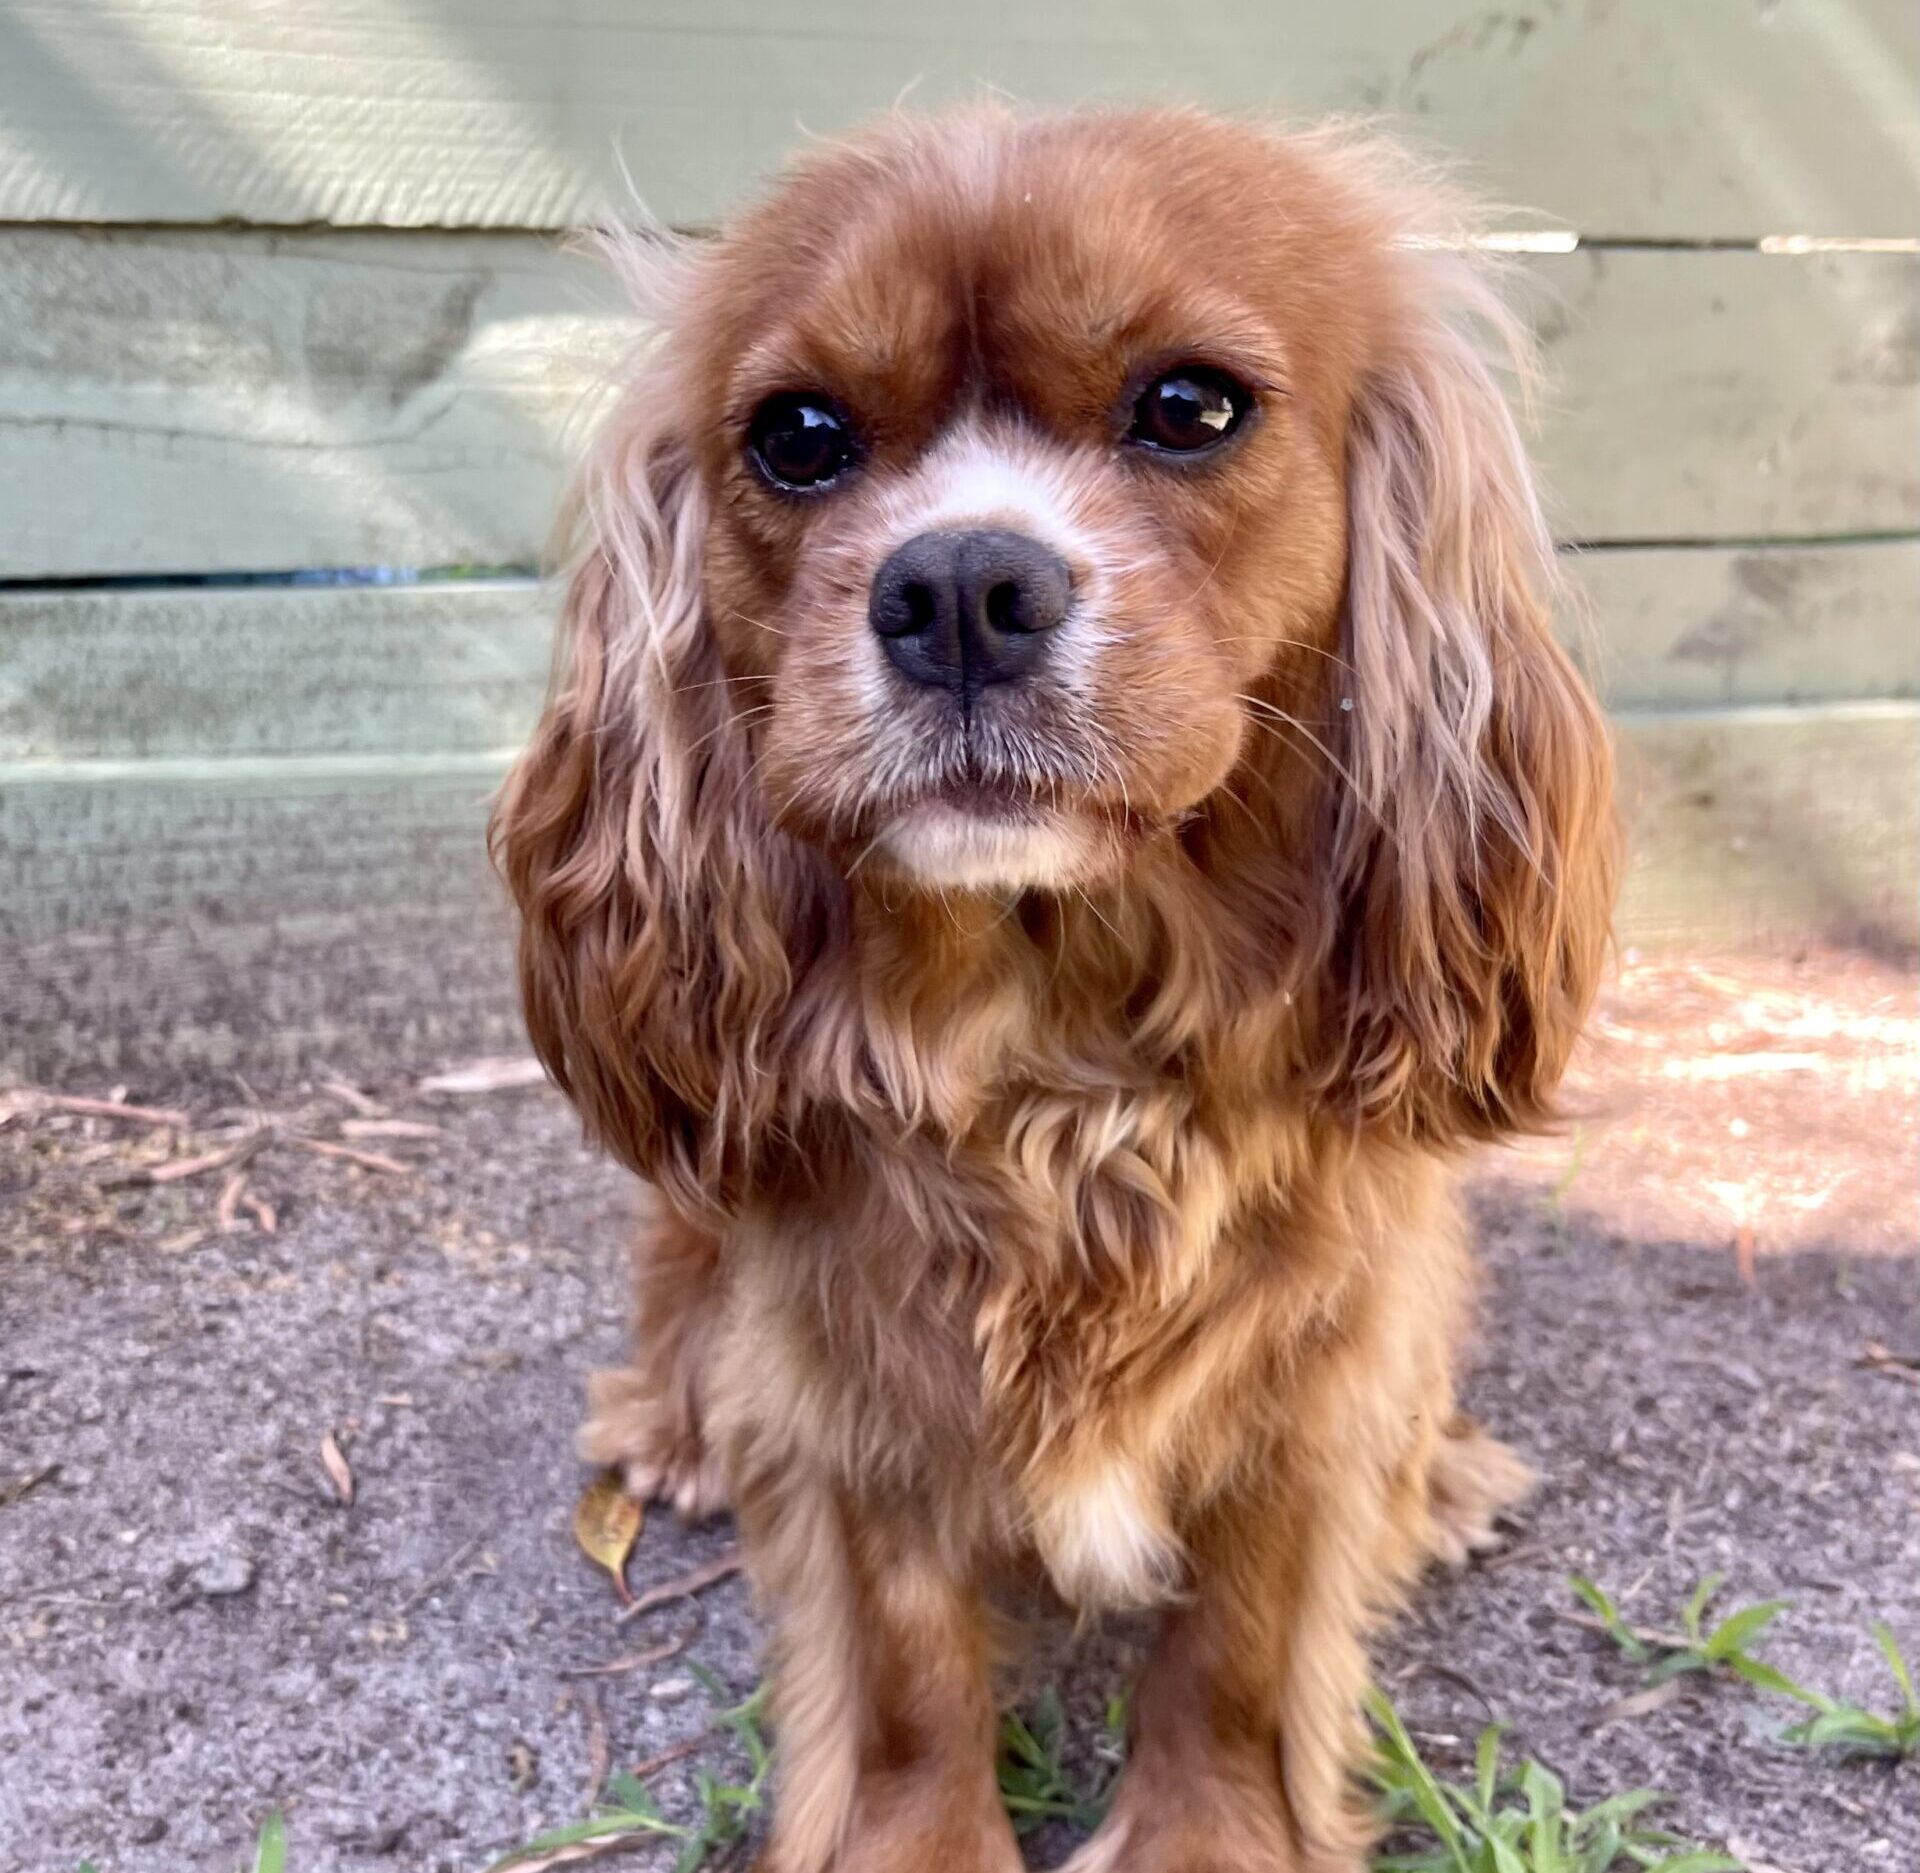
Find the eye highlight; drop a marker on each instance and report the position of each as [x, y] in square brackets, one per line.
[801, 441]
[1188, 410]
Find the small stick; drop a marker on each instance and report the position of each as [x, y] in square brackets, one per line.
[695, 1580]
[599, 1756]
[1647, 1635]
[352, 1097]
[438, 1578]
[633, 1661]
[368, 1160]
[177, 1170]
[112, 1109]
[652, 1765]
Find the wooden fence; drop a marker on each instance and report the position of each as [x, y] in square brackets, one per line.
[279, 292]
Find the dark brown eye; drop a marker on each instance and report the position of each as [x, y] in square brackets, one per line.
[1188, 409]
[800, 441]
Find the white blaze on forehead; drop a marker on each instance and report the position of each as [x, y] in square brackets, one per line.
[972, 479]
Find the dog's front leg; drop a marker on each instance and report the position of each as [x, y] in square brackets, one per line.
[881, 1703]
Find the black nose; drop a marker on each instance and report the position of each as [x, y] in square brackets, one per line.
[961, 610]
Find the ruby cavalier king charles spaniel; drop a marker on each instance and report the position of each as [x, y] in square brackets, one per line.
[1060, 816]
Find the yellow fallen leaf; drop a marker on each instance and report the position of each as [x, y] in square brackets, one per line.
[606, 1524]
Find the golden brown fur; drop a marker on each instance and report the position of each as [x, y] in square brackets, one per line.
[1095, 1221]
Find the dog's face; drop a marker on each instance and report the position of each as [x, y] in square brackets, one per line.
[1022, 454]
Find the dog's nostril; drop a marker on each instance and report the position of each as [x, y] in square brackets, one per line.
[1004, 609]
[922, 607]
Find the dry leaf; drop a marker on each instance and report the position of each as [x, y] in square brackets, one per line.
[337, 1471]
[496, 1073]
[1640, 1704]
[606, 1524]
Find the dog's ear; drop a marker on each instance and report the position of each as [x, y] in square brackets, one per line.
[662, 915]
[1474, 841]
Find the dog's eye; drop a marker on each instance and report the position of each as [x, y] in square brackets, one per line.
[800, 441]
[1188, 409]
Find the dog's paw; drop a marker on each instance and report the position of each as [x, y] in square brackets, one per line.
[659, 1453]
[1474, 1479]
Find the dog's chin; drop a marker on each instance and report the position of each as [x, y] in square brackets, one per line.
[946, 846]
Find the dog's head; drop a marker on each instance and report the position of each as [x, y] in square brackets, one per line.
[1004, 501]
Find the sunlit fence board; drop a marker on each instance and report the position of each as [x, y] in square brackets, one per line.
[1672, 118]
[200, 401]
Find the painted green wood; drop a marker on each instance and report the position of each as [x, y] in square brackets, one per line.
[223, 401]
[1642, 117]
[341, 908]
[208, 675]
[1703, 626]
[184, 673]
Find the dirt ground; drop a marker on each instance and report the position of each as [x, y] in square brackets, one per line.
[1684, 1291]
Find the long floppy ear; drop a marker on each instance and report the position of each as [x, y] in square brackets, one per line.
[1474, 842]
[661, 913]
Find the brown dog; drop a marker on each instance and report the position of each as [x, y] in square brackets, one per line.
[1062, 814]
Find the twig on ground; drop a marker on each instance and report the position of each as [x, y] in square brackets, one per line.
[634, 1661]
[107, 1109]
[178, 1170]
[367, 1160]
[652, 1765]
[351, 1097]
[599, 1756]
[683, 1587]
[439, 1577]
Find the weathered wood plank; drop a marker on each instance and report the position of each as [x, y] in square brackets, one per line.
[1713, 117]
[220, 401]
[310, 670]
[233, 402]
[1732, 395]
[1704, 626]
[210, 674]
[349, 915]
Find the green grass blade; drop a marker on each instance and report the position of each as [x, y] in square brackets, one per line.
[270, 1856]
[1897, 1664]
[601, 1827]
[1486, 1765]
[1733, 1632]
[1767, 1677]
[1697, 1606]
[1426, 1794]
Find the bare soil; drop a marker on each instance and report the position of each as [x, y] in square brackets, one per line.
[1684, 1290]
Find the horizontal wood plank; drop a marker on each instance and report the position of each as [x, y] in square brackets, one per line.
[210, 675]
[1698, 396]
[212, 672]
[1644, 117]
[349, 914]
[210, 402]
[1704, 626]
[219, 401]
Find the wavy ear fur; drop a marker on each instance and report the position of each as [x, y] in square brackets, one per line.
[660, 911]
[1475, 847]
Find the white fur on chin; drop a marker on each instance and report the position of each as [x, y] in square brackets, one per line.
[949, 847]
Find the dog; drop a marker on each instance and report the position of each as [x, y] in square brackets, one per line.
[1060, 817]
